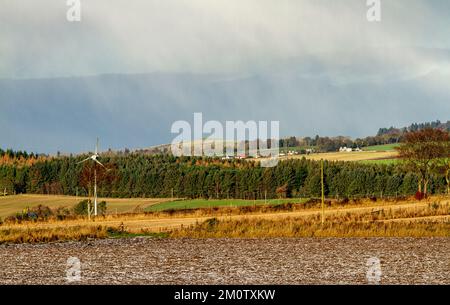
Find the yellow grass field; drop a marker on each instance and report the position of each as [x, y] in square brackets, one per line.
[9, 205]
[347, 156]
[408, 218]
[136, 223]
[354, 156]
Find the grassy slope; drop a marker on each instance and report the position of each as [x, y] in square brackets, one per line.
[350, 156]
[10, 205]
[203, 203]
[408, 218]
[386, 147]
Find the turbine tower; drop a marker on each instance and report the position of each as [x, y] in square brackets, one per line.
[94, 158]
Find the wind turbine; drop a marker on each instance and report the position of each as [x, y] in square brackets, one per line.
[94, 158]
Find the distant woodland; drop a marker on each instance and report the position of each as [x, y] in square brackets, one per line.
[166, 176]
[161, 175]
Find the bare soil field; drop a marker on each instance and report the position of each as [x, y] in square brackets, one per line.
[230, 261]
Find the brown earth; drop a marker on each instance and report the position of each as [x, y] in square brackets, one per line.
[230, 261]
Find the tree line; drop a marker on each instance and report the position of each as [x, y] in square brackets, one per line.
[415, 127]
[330, 144]
[384, 136]
[138, 175]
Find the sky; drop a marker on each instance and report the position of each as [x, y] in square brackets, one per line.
[317, 66]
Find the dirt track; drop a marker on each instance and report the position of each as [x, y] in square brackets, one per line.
[230, 261]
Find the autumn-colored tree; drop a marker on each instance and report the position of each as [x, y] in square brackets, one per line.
[104, 175]
[447, 176]
[423, 151]
[443, 168]
[282, 191]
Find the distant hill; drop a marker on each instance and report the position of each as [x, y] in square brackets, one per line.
[414, 127]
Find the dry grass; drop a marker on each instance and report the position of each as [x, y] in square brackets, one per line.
[311, 227]
[365, 218]
[9, 205]
[39, 235]
[354, 156]
[160, 220]
[346, 156]
[430, 221]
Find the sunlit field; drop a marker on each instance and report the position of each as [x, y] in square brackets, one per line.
[203, 203]
[9, 205]
[359, 218]
[346, 156]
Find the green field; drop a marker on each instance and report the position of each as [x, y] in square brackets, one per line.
[10, 205]
[204, 203]
[386, 147]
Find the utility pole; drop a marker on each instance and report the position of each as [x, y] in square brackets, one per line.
[323, 191]
[95, 191]
[89, 202]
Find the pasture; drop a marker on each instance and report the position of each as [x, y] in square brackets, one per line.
[385, 147]
[9, 205]
[203, 203]
[347, 156]
[407, 218]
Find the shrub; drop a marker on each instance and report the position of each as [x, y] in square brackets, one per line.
[344, 200]
[40, 212]
[434, 206]
[62, 213]
[211, 223]
[82, 208]
[419, 195]
[101, 208]
[37, 213]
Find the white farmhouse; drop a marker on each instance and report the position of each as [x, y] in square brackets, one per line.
[345, 149]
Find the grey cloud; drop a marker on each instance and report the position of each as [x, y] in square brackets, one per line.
[317, 66]
[206, 36]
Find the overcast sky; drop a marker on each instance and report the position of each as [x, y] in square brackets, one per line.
[323, 41]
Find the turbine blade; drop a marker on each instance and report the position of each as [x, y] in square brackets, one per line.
[96, 148]
[84, 160]
[99, 162]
